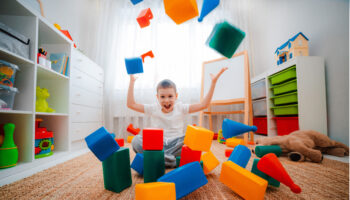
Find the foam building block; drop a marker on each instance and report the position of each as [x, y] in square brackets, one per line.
[129, 139]
[137, 163]
[136, 1]
[222, 140]
[144, 18]
[178, 158]
[187, 178]
[188, 155]
[271, 181]
[120, 141]
[152, 139]
[215, 137]
[232, 128]
[132, 130]
[198, 138]
[228, 152]
[270, 165]
[207, 7]
[101, 143]
[153, 165]
[219, 135]
[242, 182]
[147, 54]
[232, 142]
[181, 10]
[260, 151]
[240, 155]
[155, 191]
[210, 162]
[116, 171]
[201, 163]
[225, 38]
[134, 65]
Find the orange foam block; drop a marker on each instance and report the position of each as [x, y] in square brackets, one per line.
[149, 54]
[242, 182]
[155, 191]
[233, 142]
[132, 130]
[209, 162]
[129, 139]
[198, 138]
[181, 10]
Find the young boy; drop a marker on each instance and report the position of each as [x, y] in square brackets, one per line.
[168, 115]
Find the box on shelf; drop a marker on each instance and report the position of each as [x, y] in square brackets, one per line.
[287, 98]
[286, 125]
[285, 110]
[7, 73]
[261, 123]
[259, 107]
[289, 86]
[14, 41]
[7, 97]
[259, 89]
[283, 76]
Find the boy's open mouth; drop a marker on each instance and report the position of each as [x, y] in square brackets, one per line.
[167, 106]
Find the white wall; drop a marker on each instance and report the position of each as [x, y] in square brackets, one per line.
[79, 17]
[326, 24]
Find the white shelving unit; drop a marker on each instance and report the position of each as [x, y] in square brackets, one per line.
[41, 33]
[311, 86]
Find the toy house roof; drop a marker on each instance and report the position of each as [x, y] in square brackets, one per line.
[291, 40]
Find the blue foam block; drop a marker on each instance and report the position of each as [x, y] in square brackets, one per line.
[135, 1]
[101, 143]
[240, 155]
[137, 163]
[207, 7]
[187, 178]
[232, 128]
[134, 65]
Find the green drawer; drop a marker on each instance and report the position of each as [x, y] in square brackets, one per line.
[282, 76]
[289, 86]
[285, 98]
[285, 110]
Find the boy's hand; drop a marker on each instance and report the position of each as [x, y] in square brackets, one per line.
[214, 78]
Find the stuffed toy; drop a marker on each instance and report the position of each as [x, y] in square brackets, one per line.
[41, 104]
[303, 144]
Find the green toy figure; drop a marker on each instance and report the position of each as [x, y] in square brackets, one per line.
[8, 149]
[41, 104]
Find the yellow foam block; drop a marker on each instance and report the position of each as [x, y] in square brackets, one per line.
[209, 162]
[155, 191]
[198, 138]
[181, 10]
[242, 182]
[233, 142]
[129, 139]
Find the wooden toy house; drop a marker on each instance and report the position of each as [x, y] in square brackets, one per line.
[296, 46]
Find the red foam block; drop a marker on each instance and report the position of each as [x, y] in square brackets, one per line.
[188, 155]
[132, 130]
[152, 139]
[144, 17]
[120, 141]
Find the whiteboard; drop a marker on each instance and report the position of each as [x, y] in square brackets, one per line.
[231, 84]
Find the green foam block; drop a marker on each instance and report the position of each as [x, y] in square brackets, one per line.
[153, 165]
[178, 158]
[117, 171]
[269, 179]
[260, 151]
[225, 38]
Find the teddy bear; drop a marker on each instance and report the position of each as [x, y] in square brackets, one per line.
[303, 144]
[41, 104]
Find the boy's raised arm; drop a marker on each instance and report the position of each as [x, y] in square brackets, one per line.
[207, 99]
[131, 100]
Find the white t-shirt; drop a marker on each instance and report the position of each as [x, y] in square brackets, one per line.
[172, 123]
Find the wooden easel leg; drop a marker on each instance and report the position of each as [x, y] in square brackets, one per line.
[246, 119]
[210, 120]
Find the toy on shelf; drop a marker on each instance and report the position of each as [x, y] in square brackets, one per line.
[132, 130]
[44, 143]
[41, 59]
[207, 7]
[134, 65]
[144, 17]
[232, 128]
[41, 104]
[8, 148]
[7, 73]
[295, 46]
[181, 10]
[149, 54]
[66, 33]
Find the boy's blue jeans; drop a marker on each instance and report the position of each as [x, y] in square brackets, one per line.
[172, 148]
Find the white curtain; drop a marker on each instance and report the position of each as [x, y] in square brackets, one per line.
[179, 52]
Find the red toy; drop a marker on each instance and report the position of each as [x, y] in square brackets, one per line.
[120, 142]
[270, 165]
[132, 130]
[215, 137]
[144, 17]
[228, 152]
[152, 139]
[188, 155]
[150, 54]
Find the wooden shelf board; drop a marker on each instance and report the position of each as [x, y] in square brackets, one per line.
[13, 58]
[15, 112]
[51, 114]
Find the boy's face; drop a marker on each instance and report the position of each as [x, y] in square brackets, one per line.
[166, 98]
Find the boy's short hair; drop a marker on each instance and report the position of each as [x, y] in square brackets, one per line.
[166, 83]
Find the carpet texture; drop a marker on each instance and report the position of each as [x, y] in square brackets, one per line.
[81, 178]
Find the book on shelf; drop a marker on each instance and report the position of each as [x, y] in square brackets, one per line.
[59, 62]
